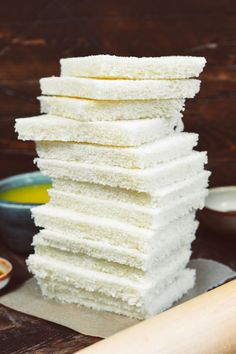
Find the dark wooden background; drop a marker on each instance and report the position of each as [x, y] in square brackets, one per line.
[34, 35]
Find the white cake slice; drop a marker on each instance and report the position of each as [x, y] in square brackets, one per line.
[133, 214]
[146, 155]
[66, 293]
[177, 236]
[109, 231]
[154, 199]
[131, 286]
[111, 66]
[158, 273]
[93, 110]
[144, 180]
[112, 279]
[117, 133]
[99, 89]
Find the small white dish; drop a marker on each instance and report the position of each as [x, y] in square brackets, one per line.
[5, 272]
[219, 213]
[222, 199]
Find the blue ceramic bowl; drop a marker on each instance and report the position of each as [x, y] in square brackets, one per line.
[16, 225]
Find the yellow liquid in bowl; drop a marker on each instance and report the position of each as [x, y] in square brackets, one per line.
[32, 194]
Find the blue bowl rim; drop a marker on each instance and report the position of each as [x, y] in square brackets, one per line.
[31, 176]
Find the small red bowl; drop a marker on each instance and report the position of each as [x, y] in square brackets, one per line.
[5, 272]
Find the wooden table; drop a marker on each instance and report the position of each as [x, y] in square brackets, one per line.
[34, 35]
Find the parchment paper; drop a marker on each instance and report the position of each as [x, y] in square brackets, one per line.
[28, 299]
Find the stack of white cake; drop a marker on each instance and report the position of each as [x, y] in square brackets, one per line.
[118, 229]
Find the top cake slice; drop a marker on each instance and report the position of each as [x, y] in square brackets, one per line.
[111, 66]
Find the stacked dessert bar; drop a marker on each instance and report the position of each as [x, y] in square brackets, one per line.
[116, 235]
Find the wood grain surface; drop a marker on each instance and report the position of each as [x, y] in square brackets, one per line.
[34, 35]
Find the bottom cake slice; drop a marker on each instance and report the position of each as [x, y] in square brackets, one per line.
[66, 293]
[131, 285]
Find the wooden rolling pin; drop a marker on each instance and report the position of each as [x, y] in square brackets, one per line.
[203, 325]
